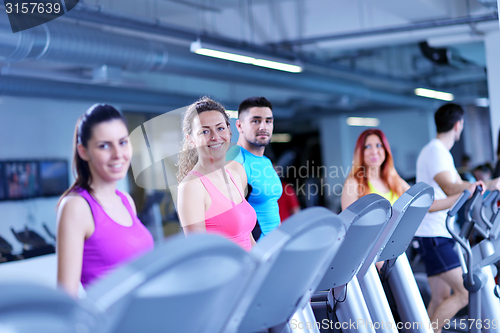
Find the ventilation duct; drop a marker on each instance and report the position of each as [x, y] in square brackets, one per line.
[60, 42]
[65, 43]
[24, 87]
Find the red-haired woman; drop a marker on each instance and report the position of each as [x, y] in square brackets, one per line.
[373, 172]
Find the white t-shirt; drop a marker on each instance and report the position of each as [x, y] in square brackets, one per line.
[432, 160]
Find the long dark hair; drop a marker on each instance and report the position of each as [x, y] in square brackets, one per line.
[96, 114]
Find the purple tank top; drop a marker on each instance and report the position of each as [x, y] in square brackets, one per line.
[111, 244]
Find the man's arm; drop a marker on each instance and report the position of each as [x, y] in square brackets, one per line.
[445, 181]
[493, 184]
[447, 203]
[451, 189]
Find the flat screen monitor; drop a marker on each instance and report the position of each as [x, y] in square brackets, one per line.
[2, 183]
[53, 177]
[21, 179]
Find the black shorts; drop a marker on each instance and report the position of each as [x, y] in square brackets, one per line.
[438, 254]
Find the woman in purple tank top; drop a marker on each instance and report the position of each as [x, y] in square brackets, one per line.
[210, 197]
[98, 229]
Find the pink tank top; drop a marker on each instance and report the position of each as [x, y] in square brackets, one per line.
[111, 244]
[226, 218]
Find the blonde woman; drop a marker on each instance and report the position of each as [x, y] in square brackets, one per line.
[211, 191]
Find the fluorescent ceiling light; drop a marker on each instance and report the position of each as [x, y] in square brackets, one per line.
[232, 114]
[281, 137]
[483, 102]
[220, 53]
[444, 96]
[362, 121]
[225, 55]
[277, 65]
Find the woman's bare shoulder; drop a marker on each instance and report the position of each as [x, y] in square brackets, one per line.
[74, 202]
[233, 165]
[74, 212]
[190, 184]
[239, 171]
[351, 182]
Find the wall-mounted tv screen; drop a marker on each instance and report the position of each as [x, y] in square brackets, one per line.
[2, 182]
[53, 177]
[22, 180]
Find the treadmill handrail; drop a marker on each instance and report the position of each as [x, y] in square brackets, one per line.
[459, 203]
[301, 249]
[487, 202]
[469, 206]
[344, 267]
[452, 212]
[398, 233]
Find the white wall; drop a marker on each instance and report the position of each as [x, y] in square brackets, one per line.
[35, 129]
[492, 44]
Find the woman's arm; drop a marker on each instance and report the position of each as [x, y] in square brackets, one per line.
[349, 193]
[191, 205]
[405, 185]
[252, 240]
[233, 165]
[74, 224]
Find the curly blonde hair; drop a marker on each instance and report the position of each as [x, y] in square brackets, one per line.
[188, 156]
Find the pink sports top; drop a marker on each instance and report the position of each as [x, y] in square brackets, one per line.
[111, 244]
[224, 217]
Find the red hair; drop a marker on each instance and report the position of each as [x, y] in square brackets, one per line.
[388, 173]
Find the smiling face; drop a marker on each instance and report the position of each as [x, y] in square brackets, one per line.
[108, 151]
[374, 152]
[256, 125]
[210, 135]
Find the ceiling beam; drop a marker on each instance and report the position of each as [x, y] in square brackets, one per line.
[389, 30]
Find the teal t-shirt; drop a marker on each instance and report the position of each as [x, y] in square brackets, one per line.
[266, 186]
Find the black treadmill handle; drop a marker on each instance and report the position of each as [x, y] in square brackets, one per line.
[460, 202]
[490, 198]
[47, 230]
[463, 243]
[469, 206]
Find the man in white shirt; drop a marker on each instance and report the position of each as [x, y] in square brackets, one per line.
[435, 166]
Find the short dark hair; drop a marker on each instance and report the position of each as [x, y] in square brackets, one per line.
[260, 102]
[446, 117]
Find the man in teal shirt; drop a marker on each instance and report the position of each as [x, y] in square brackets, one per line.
[255, 125]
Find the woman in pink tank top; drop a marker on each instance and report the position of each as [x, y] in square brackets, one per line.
[210, 197]
[98, 229]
